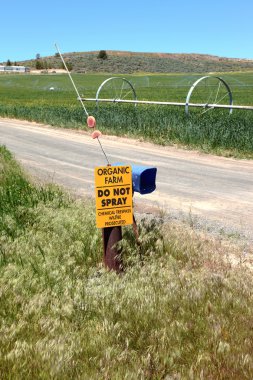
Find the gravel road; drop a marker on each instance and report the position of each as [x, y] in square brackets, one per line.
[215, 192]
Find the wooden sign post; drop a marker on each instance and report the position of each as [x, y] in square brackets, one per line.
[114, 208]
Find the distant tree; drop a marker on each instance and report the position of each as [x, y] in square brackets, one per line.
[39, 65]
[37, 56]
[57, 55]
[69, 66]
[8, 63]
[102, 54]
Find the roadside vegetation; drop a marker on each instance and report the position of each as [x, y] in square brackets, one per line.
[29, 97]
[182, 309]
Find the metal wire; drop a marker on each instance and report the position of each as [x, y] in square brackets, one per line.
[73, 83]
[79, 97]
[103, 151]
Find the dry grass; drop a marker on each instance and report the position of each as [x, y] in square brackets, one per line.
[181, 310]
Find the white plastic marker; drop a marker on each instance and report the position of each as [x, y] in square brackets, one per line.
[91, 121]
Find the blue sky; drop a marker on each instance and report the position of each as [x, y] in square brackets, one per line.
[222, 28]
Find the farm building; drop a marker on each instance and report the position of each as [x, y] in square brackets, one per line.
[14, 69]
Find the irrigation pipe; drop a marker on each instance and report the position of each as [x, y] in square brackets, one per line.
[203, 105]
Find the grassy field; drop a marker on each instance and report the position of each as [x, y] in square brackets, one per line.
[179, 311]
[29, 97]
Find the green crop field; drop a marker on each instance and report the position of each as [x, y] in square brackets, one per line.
[29, 97]
[29, 89]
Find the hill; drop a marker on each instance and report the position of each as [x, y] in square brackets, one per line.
[131, 62]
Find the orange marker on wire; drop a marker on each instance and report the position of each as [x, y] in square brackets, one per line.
[91, 121]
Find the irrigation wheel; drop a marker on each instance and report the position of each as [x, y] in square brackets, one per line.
[208, 92]
[116, 89]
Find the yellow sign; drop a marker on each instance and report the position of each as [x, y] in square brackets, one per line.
[114, 203]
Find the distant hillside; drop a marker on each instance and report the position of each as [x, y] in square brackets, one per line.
[130, 62]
